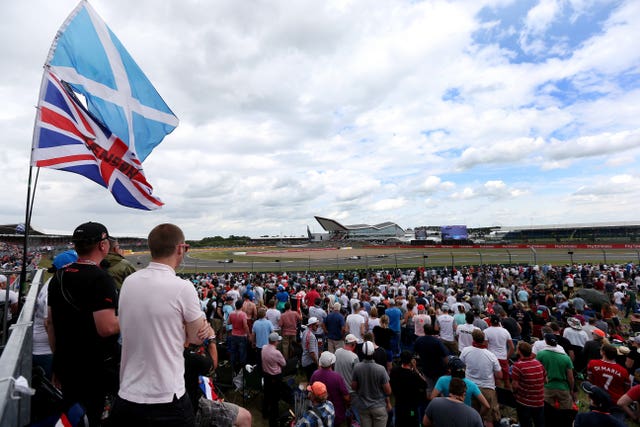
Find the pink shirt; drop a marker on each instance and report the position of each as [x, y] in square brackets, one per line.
[289, 322]
[238, 320]
[272, 360]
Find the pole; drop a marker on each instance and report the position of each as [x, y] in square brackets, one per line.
[535, 256]
[509, 252]
[452, 264]
[25, 241]
[480, 255]
[604, 254]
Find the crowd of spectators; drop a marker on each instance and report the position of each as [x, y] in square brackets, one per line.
[521, 336]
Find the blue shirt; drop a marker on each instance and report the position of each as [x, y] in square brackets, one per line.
[442, 385]
[395, 315]
[334, 323]
[227, 310]
[262, 328]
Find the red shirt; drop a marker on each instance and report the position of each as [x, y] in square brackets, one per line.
[238, 320]
[610, 376]
[530, 375]
[311, 296]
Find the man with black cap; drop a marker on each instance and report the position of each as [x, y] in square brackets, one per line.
[599, 404]
[82, 324]
[405, 382]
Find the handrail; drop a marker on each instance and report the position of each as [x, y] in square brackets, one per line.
[16, 361]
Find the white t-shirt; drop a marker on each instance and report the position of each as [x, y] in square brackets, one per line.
[481, 365]
[497, 337]
[354, 321]
[274, 316]
[446, 327]
[154, 306]
[464, 335]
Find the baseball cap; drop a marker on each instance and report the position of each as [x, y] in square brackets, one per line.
[318, 389]
[65, 258]
[420, 307]
[599, 396]
[273, 337]
[327, 359]
[350, 339]
[456, 364]
[550, 339]
[598, 332]
[90, 232]
[367, 348]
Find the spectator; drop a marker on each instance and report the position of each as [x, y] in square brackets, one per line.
[116, 264]
[272, 363]
[483, 368]
[321, 413]
[239, 337]
[159, 312]
[260, 335]
[82, 324]
[335, 325]
[310, 348]
[528, 377]
[446, 327]
[464, 332]
[289, 327]
[13, 299]
[599, 405]
[395, 324]
[609, 375]
[500, 344]
[346, 360]
[559, 387]
[371, 383]
[433, 357]
[451, 411]
[457, 369]
[336, 386]
[406, 384]
[356, 323]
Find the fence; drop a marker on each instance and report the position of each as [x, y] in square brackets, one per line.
[15, 361]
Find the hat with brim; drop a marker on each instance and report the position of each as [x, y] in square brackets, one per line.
[312, 321]
[274, 337]
[574, 323]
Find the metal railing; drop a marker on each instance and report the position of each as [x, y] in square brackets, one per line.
[16, 360]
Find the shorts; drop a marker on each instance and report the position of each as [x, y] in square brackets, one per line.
[504, 364]
[561, 397]
[492, 414]
[216, 413]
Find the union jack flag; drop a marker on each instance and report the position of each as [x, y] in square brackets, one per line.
[68, 137]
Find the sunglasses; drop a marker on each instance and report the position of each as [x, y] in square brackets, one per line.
[185, 246]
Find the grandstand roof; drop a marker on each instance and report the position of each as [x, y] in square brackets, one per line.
[566, 226]
[333, 225]
[10, 229]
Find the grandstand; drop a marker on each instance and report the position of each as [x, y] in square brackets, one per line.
[621, 232]
[382, 232]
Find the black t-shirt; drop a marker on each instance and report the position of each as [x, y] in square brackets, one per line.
[510, 324]
[382, 337]
[75, 293]
[405, 385]
[432, 353]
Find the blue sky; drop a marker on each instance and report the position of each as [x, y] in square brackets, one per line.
[477, 112]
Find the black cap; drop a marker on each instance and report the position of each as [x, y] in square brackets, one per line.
[90, 232]
[550, 339]
[599, 396]
[456, 364]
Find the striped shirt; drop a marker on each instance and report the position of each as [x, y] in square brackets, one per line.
[530, 375]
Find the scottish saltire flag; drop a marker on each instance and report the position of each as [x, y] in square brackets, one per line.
[206, 385]
[90, 58]
[68, 138]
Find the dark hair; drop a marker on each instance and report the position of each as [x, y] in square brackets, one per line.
[163, 240]
[287, 306]
[609, 351]
[405, 357]
[469, 317]
[239, 304]
[429, 330]
[457, 386]
[478, 336]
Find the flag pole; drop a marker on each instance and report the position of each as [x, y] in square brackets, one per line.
[25, 242]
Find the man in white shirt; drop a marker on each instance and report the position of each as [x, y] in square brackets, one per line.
[483, 369]
[13, 297]
[446, 329]
[501, 345]
[464, 332]
[158, 313]
[356, 323]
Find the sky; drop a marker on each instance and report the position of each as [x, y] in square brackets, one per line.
[474, 112]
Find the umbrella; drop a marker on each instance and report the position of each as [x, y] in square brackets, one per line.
[593, 297]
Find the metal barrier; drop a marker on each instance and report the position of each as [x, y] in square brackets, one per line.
[16, 360]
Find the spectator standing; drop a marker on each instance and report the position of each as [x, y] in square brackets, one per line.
[12, 304]
[451, 411]
[82, 324]
[558, 389]
[457, 369]
[406, 381]
[335, 325]
[528, 377]
[500, 344]
[433, 356]
[159, 312]
[395, 324]
[336, 386]
[464, 332]
[346, 360]
[419, 320]
[446, 327]
[321, 413]
[272, 363]
[610, 376]
[371, 383]
[116, 264]
[289, 328]
[483, 368]
[356, 323]
[260, 335]
[239, 337]
[273, 315]
[310, 352]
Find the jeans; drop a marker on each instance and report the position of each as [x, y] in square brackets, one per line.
[178, 413]
[395, 343]
[529, 416]
[237, 351]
